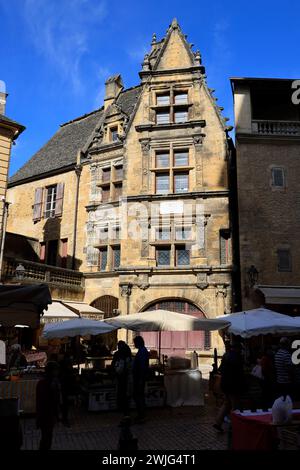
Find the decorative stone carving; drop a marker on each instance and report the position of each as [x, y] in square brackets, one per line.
[143, 281]
[198, 140]
[202, 281]
[145, 143]
[221, 291]
[146, 63]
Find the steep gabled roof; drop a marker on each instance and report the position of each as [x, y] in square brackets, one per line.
[60, 152]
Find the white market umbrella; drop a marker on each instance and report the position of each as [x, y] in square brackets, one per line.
[260, 321]
[76, 327]
[165, 320]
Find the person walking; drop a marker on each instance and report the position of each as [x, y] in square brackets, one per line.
[140, 371]
[47, 404]
[68, 384]
[232, 383]
[122, 365]
[283, 367]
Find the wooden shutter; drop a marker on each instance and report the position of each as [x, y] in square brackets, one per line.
[59, 199]
[38, 202]
[43, 252]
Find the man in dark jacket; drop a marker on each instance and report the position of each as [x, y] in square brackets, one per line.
[232, 382]
[140, 370]
[47, 404]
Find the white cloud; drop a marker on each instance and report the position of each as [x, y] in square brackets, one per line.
[59, 30]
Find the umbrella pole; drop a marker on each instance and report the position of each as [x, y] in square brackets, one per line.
[159, 345]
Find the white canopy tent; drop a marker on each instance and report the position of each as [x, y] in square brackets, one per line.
[76, 327]
[165, 320]
[260, 321]
[62, 310]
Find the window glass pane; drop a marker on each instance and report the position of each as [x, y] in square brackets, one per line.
[105, 194]
[163, 99]
[118, 190]
[118, 172]
[181, 158]
[163, 256]
[103, 259]
[163, 233]
[181, 183]
[116, 257]
[163, 117]
[181, 98]
[183, 233]
[106, 174]
[182, 257]
[50, 201]
[162, 160]
[114, 134]
[284, 260]
[181, 116]
[162, 184]
[278, 177]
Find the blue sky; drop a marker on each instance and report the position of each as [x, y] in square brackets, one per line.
[56, 54]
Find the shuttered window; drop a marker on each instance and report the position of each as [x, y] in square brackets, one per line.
[38, 203]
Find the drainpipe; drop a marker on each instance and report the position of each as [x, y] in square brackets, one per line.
[78, 170]
[3, 230]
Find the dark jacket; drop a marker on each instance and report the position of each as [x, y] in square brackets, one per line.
[140, 366]
[232, 373]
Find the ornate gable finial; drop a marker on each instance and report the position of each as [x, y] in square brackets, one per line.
[153, 39]
[198, 60]
[174, 24]
[146, 63]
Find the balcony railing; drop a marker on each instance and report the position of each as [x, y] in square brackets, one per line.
[276, 128]
[43, 273]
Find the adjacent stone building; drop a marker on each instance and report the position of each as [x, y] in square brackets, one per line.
[9, 132]
[136, 196]
[267, 125]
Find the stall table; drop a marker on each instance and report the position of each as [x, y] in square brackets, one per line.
[184, 387]
[255, 431]
[25, 390]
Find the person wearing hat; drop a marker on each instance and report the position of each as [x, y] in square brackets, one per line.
[283, 367]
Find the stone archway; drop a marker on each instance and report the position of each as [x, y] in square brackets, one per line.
[176, 343]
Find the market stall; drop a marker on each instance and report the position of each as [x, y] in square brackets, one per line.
[183, 386]
[21, 306]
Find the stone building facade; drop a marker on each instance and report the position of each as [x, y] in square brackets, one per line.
[136, 196]
[9, 132]
[267, 123]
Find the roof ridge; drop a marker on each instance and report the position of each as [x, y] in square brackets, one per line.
[83, 116]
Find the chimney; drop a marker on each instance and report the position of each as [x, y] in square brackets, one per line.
[113, 87]
[3, 96]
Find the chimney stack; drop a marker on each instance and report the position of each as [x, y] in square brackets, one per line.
[113, 87]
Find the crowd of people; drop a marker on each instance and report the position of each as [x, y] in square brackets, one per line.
[273, 371]
[58, 383]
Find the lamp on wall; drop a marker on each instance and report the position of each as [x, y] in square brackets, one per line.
[252, 275]
[20, 272]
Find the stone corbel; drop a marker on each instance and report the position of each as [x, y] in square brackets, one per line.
[145, 144]
[143, 281]
[198, 141]
[221, 291]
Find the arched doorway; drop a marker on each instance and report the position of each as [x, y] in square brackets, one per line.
[176, 343]
[107, 304]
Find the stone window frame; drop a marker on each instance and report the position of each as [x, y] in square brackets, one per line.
[108, 244]
[172, 90]
[113, 182]
[171, 148]
[272, 186]
[290, 264]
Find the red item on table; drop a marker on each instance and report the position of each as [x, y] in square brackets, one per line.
[255, 431]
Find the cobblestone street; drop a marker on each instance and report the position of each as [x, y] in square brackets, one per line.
[185, 428]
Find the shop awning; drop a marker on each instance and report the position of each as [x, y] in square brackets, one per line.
[57, 312]
[280, 295]
[84, 310]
